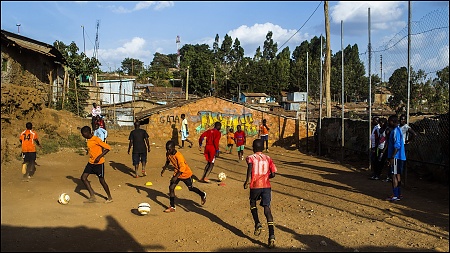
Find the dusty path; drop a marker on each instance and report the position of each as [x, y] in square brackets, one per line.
[317, 205]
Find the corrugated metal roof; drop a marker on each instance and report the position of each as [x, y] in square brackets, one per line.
[33, 45]
[248, 94]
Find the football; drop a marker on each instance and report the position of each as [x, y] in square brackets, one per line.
[64, 199]
[144, 208]
[221, 176]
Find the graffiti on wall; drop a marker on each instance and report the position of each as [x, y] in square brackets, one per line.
[208, 118]
[169, 119]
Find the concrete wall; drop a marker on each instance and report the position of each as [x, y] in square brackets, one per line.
[203, 113]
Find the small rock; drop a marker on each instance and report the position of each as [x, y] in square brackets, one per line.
[197, 241]
[323, 243]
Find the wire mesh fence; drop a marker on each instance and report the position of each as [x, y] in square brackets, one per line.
[424, 46]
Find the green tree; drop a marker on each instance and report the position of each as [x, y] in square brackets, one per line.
[132, 66]
[77, 64]
[398, 87]
[200, 60]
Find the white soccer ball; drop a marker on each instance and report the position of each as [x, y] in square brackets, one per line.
[64, 199]
[222, 176]
[144, 208]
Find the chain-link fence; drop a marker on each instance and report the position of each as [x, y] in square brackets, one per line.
[425, 101]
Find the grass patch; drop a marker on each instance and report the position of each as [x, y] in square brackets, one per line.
[52, 143]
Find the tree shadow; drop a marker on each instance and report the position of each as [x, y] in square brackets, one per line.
[114, 238]
[122, 168]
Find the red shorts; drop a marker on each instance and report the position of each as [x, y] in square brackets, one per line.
[210, 153]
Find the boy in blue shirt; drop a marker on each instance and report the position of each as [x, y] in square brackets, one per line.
[396, 156]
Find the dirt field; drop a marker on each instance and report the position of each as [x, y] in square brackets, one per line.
[318, 205]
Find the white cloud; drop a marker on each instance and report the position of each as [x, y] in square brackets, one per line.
[142, 6]
[254, 36]
[135, 48]
[383, 16]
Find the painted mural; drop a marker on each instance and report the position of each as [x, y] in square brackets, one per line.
[208, 118]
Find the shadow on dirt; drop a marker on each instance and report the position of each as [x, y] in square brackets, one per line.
[61, 239]
[122, 168]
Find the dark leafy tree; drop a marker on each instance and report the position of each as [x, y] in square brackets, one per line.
[132, 66]
[77, 64]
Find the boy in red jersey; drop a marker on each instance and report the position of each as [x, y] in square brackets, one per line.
[239, 138]
[96, 165]
[28, 138]
[211, 148]
[260, 169]
[181, 172]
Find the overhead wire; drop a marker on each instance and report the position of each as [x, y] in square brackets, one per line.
[301, 26]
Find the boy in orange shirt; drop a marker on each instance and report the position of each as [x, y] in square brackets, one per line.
[96, 165]
[181, 172]
[230, 140]
[28, 138]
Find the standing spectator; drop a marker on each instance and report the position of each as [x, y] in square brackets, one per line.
[408, 133]
[185, 131]
[141, 146]
[260, 169]
[381, 155]
[264, 133]
[97, 150]
[99, 120]
[96, 110]
[396, 155]
[100, 132]
[29, 139]
[239, 138]
[230, 140]
[181, 172]
[211, 148]
[373, 145]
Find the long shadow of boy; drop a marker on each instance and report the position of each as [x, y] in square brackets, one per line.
[80, 186]
[122, 168]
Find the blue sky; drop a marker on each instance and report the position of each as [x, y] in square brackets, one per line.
[139, 29]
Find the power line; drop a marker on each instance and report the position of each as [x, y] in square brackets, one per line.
[300, 27]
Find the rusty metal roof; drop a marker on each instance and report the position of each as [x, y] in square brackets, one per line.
[33, 45]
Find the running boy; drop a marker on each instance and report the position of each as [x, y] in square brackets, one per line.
[211, 148]
[97, 150]
[239, 138]
[230, 140]
[181, 172]
[260, 169]
[29, 139]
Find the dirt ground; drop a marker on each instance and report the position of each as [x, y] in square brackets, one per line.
[318, 205]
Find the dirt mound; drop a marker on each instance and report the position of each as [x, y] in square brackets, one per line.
[20, 105]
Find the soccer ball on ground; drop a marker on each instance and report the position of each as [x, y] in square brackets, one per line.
[221, 176]
[144, 208]
[64, 199]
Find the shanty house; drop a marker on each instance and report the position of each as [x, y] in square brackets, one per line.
[28, 62]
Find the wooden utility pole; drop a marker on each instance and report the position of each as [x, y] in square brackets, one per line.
[327, 69]
[187, 84]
